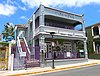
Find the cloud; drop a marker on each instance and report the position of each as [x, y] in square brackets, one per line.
[23, 17]
[22, 8]
[54, 3]
[30, 3]
[7, 10]
[19, 6]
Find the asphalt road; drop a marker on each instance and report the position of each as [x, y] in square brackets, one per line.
[86, 71]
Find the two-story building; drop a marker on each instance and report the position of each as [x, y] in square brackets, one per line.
[65, 39]
[93, 38]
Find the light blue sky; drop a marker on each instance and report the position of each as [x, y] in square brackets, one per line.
[18, 11]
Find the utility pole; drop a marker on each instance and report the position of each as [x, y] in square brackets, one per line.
[52, 34]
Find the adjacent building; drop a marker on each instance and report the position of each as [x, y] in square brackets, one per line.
[93, 38]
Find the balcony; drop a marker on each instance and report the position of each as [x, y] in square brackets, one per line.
[60, 31]
[95, 32]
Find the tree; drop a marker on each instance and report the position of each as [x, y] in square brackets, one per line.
[8, 33]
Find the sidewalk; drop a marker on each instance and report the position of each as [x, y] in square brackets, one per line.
[38, 70]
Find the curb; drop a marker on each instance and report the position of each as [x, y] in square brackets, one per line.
[58, 69]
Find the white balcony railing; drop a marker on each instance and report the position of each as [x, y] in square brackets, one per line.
[19, 44]
[19, 48]
[59, 31]
[97, 36]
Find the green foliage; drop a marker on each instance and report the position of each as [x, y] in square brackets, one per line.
[90, 50]
[4, 43]
[8, 33]
[94, 56]
[80, 45]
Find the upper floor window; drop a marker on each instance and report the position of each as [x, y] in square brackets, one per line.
[37, 22]
[86, 33]
[96, 31]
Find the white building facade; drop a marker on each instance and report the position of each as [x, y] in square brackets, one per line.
[46, 20]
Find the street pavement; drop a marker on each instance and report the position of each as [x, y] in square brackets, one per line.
[85, 71]
[42, 71]
[65, 62]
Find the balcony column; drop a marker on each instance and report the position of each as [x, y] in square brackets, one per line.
[85, 45]
[85, 50]
[99, 29]
[41, 17]
[33, 30]
[92, 31]
[94, 46]
[83, 27]
[42, 50]
[33, 19]
[28, 35]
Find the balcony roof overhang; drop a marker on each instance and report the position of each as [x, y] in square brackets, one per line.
[71, 22]
[60, 37]
[70, 17]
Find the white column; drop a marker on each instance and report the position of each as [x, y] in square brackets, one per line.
[83, 27]
[41, 23]
[33, 46]
[33, 25]
[10, 59]
[41, 18]
[28, 32]
[85, 50]
[41, 42]
[99, 29]
[85, 45]
[12, 62]
[92, 31]
[42, 38]
[94, 46]
[42, 50]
